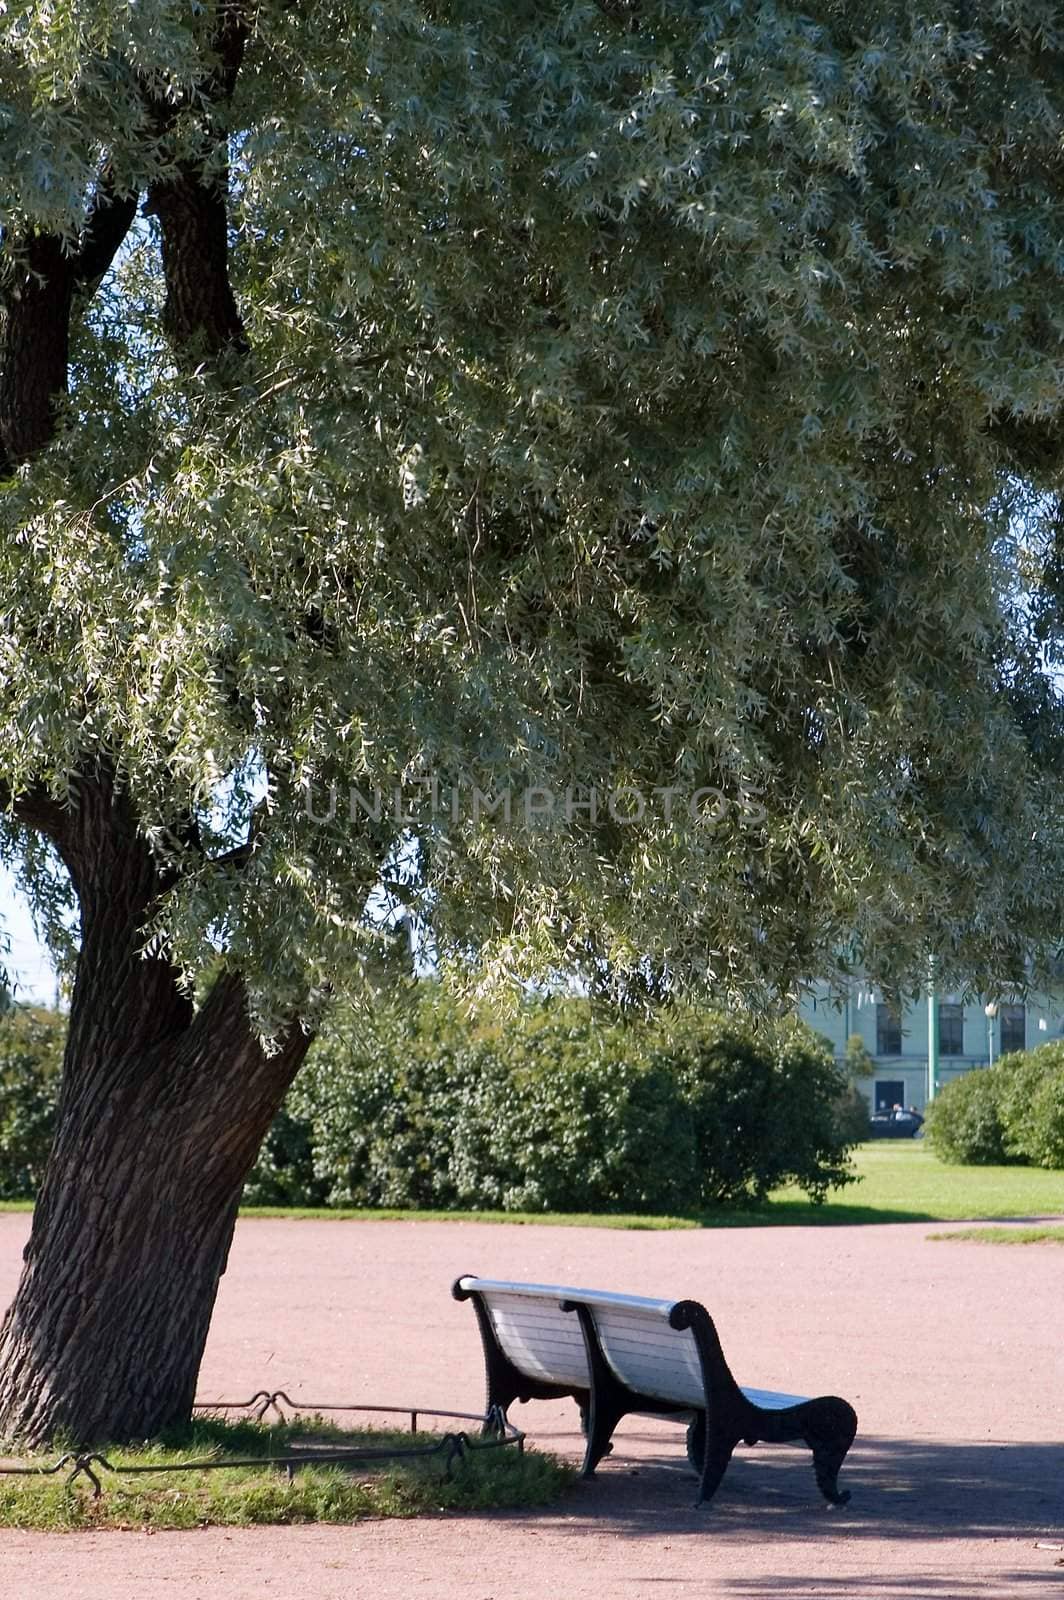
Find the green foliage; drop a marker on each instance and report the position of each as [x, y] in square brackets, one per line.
[31, 1058]
[762, 1102]
[284, 1172]
[663, 428]
[859, 1063]
[1013, 1111]
[1032, 1105]
[852, 1116]
[897, 1180]
[560, 1108]
[964, 1122]
[574, 1106]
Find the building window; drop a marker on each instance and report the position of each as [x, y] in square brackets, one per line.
[1013, 1028]
[888, 1030]
[950, 1029]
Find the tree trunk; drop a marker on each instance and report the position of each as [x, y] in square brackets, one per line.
[161, 1116]
[35, 300]
[162, 1111]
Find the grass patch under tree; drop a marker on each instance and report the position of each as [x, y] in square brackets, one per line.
[484, 1479]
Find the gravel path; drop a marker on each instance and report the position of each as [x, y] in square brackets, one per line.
[951, 1353]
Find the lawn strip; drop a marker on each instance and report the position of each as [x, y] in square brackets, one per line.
[1014, 1235]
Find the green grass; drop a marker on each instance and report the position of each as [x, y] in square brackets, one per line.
[901, 1180]
[1048, 1235]
[487, 1479]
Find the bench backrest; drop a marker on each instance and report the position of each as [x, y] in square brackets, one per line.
[644, 1351]
[649, 1356]
[534, 1333]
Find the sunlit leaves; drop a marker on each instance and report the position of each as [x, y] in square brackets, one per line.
[618, 417]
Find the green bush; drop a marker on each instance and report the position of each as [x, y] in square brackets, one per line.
[560, 1107]
[851, 1116]
[284, 1174]
[570, 1115]
[763, 1103]
[380, 1098]
[964, 1122]
[31, 1059]
[859, 1063]
[1031, 1098]
[417, 1107]
[1012, 1112]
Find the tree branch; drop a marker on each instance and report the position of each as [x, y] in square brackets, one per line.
[37, 289]
[200, 315]
[109, 220]
[39, 280]
[37, 809]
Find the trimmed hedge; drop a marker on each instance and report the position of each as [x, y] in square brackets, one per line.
[559, 1109]
[1012, 1112]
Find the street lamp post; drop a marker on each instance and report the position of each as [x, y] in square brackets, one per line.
[932, 1038]
[932, 1033]
[991, 1013]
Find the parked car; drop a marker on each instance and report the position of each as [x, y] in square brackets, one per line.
[896, 1124]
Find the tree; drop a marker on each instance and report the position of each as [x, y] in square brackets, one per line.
[859, 1063]
[603, 421]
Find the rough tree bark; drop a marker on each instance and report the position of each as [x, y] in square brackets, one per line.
[161, 1115]
[162, 1109]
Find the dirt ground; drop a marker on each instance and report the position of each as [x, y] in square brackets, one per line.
[951, 1353]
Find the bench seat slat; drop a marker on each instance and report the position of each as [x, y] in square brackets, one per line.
[770, 1400]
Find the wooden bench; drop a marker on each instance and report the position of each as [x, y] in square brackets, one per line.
[616, 1354]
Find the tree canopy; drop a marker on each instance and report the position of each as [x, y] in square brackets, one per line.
[651, 407]
[624, 396]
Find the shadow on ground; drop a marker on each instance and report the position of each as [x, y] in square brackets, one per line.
[894, 1585]
[804, 1214]
[902, 1490]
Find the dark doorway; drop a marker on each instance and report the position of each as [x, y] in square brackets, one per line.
[890, 1092]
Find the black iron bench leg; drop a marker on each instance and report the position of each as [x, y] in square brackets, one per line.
[607, 1402]
[718, 1453]
[829, 1433]
[602, 1416]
